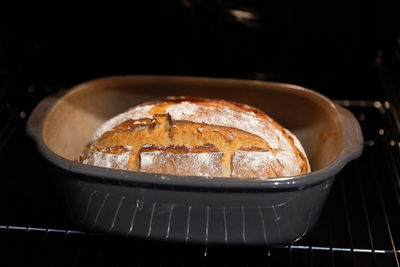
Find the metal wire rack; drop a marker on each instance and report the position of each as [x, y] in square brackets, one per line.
[359, 225]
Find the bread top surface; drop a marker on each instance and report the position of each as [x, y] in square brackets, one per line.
[197, 136]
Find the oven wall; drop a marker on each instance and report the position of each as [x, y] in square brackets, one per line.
[327, 47]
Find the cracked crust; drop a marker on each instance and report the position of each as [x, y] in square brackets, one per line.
[197, 136]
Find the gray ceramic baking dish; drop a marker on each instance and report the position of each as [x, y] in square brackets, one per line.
[193, 209]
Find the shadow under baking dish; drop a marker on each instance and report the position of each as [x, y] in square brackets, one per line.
[189, 208]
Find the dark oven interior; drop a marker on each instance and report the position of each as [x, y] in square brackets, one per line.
[349, 52]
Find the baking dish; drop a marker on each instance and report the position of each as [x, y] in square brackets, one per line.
[208, 210]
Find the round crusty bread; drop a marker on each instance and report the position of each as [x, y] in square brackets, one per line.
[196, 136]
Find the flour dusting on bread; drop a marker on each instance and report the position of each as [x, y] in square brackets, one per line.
[115, 157]
[136, 113]
[245, 121]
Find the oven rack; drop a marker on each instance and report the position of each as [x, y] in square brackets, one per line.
[358, 225]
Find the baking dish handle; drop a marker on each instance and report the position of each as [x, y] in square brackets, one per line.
[34, 125]
[353, 141]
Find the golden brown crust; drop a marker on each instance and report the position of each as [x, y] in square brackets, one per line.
[207, 148]
[227, 134]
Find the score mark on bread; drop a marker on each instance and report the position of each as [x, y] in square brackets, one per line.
[196, 136]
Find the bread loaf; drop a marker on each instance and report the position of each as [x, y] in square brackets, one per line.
[196, 136]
